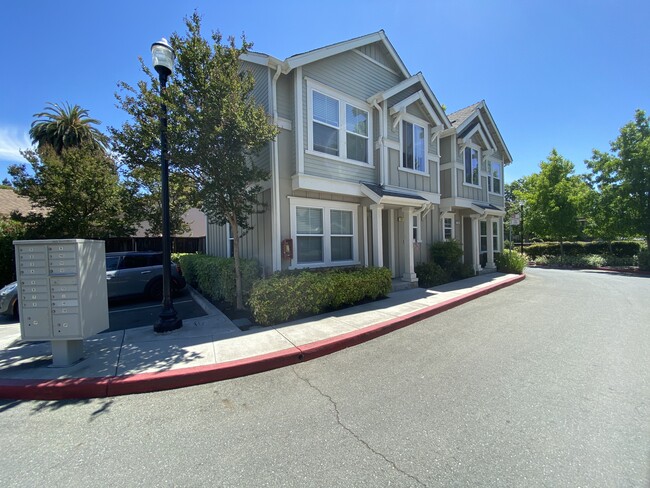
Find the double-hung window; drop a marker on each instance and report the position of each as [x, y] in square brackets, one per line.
[495, 236]
[339, 128]
[417, 237]
[413, 149]
[484, 238]
[448, 228]
[494, 177]
[471, 166]
[324, 232]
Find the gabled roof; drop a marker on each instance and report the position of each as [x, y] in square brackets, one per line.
[407, 83]
[465, 119]
[324, 52]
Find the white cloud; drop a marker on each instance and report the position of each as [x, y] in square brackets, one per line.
[12, 141]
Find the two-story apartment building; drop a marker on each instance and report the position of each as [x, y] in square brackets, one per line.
[368, 169]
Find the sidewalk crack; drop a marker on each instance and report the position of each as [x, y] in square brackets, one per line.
[351, 432]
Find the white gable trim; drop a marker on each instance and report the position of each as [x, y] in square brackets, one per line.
[401, 106]
[477, 111]
[488, 140]
[338, 48]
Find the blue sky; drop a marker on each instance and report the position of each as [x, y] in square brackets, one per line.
[565, 74]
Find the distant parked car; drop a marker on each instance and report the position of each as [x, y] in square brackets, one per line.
[127, 273]
[9, 300]
[139, 273]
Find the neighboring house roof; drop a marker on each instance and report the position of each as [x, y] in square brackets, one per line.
[465, 119]
[11, 202]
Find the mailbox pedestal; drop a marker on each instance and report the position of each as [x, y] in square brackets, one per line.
[62, 294]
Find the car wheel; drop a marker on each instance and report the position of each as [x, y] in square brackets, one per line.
[156, 289]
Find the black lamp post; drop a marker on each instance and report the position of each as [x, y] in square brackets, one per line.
[163, 61]
[521, 208]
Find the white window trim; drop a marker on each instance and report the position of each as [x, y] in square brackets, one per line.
[406, 117]
[490, 183]
[343, 99]
[462, 151]
[453, 227]
[418, 228]
[326, 206]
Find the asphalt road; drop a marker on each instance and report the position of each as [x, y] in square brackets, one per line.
[545, 383]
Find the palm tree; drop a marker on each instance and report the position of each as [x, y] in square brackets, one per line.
[64, 126]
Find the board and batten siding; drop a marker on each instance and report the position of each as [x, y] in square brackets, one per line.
[255, 244]
[408, 179]
[497, 200]
[471, 192]
[445, 183]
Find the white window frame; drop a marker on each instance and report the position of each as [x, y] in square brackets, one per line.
[343, 100]
[451, 227]
[425, 126]
[481, 236]
[478, 151]
[326, 206]
[417, 227]
[490, 178]
[495, 236]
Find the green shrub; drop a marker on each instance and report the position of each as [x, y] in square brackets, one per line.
[10, 230]
[618, 248]
[431, 274]
[446, 253]
[511, 262]
[616, 261]
[214, 277]
[644, 260]
[286, 296]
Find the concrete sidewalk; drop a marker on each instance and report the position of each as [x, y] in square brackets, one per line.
[212, 348]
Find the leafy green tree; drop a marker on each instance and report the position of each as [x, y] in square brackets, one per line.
[554, 199]
[66, 126]
[622, 179]
[80, 191]
[215, 128]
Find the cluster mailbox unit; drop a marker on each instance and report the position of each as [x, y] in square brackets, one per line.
[62, 293]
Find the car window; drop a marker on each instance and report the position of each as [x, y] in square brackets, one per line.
[155, 260]
[112, 262]
[133, 261]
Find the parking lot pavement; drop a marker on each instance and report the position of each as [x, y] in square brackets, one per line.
[139, 312]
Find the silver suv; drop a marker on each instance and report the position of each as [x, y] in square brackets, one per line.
[127, 273]
[139, 273]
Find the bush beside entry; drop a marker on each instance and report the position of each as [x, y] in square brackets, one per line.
[286, 296]
[510, 261]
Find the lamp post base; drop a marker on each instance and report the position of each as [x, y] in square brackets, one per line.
[168, 321]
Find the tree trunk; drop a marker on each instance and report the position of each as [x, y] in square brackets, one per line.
[235, 248]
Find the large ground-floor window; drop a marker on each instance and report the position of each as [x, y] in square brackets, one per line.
[324, 232]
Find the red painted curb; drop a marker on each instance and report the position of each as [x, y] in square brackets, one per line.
[78, 388]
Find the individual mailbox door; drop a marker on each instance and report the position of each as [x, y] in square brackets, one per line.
[36, 323]
[66, 325]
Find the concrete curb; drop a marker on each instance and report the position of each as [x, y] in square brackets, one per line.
[78, 388]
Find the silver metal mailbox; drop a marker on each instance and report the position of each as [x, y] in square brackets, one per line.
[62, 293]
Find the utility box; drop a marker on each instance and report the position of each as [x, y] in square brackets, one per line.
[62, 293]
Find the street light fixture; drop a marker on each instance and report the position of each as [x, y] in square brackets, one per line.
[163, 61]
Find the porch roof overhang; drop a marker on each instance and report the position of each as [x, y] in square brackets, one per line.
[487, 209]
[381, 195]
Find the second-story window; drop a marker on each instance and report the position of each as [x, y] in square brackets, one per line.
[494, 177]
[339, 129]
[471, 166]
[326, 124]
[413, 148]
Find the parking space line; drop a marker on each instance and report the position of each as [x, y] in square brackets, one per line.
[143, 308]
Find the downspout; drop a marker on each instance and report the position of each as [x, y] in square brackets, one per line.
[275, 180]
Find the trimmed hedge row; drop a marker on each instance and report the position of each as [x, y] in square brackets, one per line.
[287, 296]
[215, 277]
[623, 249]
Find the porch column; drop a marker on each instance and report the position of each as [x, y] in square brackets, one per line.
[364, 224]
[476, 244]
[377, 245]
[490, 247]
[392, 240]
[409, 267]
